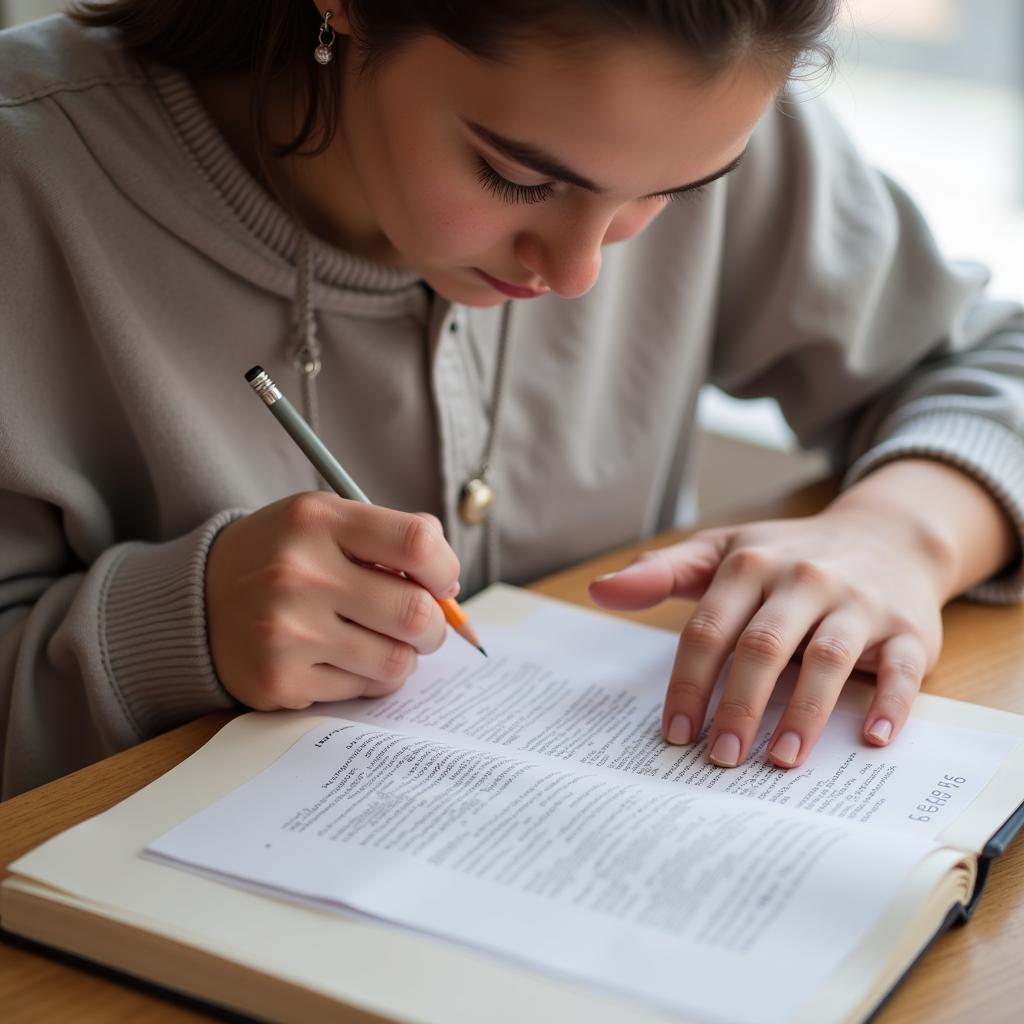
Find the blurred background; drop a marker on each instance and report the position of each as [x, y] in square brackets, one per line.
[933, 92]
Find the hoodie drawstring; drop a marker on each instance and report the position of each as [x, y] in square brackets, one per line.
[304, 344]
[305, 352]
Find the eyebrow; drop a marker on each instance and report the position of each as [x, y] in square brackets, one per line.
[544, 163]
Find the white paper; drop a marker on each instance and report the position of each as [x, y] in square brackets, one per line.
[650, 888]
[589, 691]
[527, 805]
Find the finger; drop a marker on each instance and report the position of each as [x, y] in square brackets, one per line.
[430, 518]
[829, 658]
[763, 649]
[435, 523]
[682, 570]
[356, 651]
[332, 684]
[320, 683]
[391, 606]
[707, 640]
[902, 663]
[411, 544]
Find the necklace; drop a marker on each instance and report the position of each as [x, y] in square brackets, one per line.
[477, 497]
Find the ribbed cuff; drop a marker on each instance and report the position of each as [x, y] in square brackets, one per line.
[154, 642]
[984, 449]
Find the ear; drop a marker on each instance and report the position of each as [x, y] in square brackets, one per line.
[341, 20]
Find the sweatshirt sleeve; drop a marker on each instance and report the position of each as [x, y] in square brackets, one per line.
[102, 614]
[836, 302]
[94, 659]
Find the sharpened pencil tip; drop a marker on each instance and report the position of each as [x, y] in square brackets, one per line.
[481, 650]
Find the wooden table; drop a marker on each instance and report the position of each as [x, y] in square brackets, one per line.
[971, 974]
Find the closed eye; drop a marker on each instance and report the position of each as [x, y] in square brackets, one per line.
[510, 192]
[681, 195]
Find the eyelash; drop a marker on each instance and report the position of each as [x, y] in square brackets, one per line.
[512, 193]
[508, 191]
[683, 197]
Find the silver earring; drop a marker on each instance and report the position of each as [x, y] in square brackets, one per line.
[324, 52]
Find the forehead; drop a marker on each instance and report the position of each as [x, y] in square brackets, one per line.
[624, 114]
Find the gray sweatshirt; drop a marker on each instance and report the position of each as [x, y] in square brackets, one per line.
[142, 271]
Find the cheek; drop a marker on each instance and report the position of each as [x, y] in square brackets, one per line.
[631, 219]
[453, 225]
[434, 213]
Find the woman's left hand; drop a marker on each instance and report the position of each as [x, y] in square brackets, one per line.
[852, 586]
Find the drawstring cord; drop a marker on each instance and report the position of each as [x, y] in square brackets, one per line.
[305, 352]
[492, 549]
[304, 345]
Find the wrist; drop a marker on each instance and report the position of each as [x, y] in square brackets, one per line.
[920, 539]
[946, 520]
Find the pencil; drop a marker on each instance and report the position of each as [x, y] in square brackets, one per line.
[334, 473]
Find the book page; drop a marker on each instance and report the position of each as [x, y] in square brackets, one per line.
[622, 881]
[575, 687]
[368, 966]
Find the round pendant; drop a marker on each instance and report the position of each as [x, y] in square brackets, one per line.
[475, 501]
[323, 54]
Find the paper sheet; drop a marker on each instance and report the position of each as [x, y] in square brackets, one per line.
[659, 891]
[526, 805]
[559, 685]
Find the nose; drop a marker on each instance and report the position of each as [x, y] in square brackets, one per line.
[566, 256]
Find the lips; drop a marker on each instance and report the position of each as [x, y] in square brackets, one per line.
[513, 291]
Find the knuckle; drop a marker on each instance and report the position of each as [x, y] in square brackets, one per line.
[736, 709]
[397, 662]
[417, 540]
[307, 509]
[868, 601]
[807, 573]
[283, 574]
[271, 634]
[747, 561]
[703, 632]
[808, 708]
[416, 613]
[903, 624]
[897, 705]
[903, 669]
[432, 520]
[761, 643]
[687, 692]
[829, 652]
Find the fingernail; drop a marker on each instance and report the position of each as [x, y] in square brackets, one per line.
[786, 748]
[881, 730]
[626, 571]
[679, 730]
[726, 751]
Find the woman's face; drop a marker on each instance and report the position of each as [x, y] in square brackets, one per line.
[497, 180]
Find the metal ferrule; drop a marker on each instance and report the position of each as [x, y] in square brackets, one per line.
[265, 388]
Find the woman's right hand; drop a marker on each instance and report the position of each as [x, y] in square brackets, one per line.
[305, 601]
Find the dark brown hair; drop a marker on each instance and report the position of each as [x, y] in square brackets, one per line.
[275, 38]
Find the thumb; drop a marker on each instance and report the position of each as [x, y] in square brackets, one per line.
[680, 570]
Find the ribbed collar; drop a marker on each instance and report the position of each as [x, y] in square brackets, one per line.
[253, 207]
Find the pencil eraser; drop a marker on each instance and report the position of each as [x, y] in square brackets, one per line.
[252, 374]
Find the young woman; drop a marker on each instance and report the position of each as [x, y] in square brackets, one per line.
[488, 247]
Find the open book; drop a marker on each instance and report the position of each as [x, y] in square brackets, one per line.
[511, 840]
